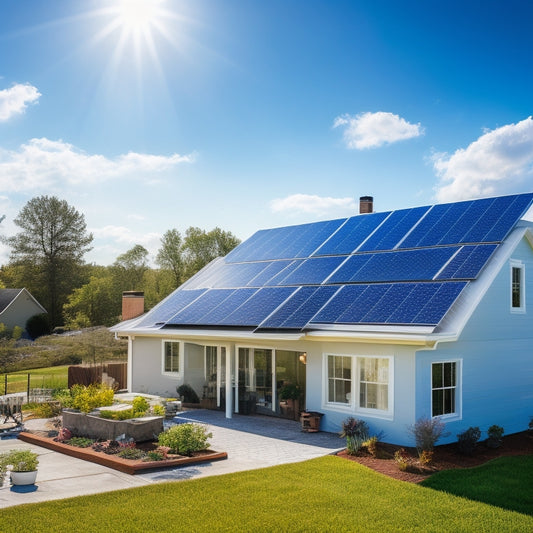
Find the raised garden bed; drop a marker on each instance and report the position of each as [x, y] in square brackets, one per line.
[128, 466]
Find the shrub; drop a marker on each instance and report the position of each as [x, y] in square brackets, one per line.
[158, 410]
[467, 440]
[402, 458]
[356, 433]
[88, 398]
[38, 325]
[188, 394]
[17, 333]
[495, 434]
[427, 431]
[123, 414]
[426, 457]
[371, 445]
[80, 442]
[184, 439]
[140, 405]
[131, 453]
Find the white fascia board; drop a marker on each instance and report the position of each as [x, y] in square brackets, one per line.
[413, 339]
[457, 317]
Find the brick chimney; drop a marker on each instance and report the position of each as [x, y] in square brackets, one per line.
[132, 304]
[366, 204]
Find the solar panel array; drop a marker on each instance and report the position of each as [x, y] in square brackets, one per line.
[404, 267]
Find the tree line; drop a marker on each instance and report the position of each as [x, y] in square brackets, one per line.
[47, 258]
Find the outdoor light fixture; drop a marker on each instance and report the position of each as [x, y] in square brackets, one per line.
[303, 358]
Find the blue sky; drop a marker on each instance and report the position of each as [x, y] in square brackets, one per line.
[246, 114]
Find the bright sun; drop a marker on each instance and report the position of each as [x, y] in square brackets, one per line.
[137, 16]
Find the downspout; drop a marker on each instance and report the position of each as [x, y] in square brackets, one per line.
[230, 352]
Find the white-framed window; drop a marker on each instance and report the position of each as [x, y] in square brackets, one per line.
[361, 384]
[171, 357]
[446, 388]
[339, 379]
[518, 297]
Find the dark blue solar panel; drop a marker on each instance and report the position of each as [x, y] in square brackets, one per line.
[273, 269]
[417, 294]
[251, 248]
[515, 210]
[434, 310]
[170, 306]
[364, 303]
[354, 231]
[338, 304]
[393, 229]
[405, 265]
[200, 307]
[258, 307]
[300, 308]
[476, 211]
[312, 271]
[203, 279]
[312, 236]
[468, 262]
[227, 306]
[293, 265]
[387, 304]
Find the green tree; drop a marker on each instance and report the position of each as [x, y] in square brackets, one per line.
[49, 250]
[170, 255]
[201, 247]
[129, 268]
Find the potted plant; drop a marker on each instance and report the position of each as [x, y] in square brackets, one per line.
[22, 464]
[290, 393]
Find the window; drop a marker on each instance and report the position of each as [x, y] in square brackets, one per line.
[339, 379]
[517, 287]
[171, 356]
[373, 383]
[444, 388]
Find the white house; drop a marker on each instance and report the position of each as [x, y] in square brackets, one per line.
[387, 317]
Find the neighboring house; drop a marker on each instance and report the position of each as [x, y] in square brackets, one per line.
[16, 306]
[386, 317]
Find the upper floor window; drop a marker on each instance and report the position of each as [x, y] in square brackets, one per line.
[171, 356]
[518, 302]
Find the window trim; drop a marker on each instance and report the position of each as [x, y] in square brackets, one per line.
[164, 372]
[458, 414]
[516, 264]
[353, 405]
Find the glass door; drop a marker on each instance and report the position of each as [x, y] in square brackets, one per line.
[255, 381]
[290, 383]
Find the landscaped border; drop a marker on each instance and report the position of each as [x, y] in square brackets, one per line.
[128, 466]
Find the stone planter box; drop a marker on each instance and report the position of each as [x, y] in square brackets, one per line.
[94, 427]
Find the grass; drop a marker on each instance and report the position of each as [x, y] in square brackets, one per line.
[505, 482]
[325, 494]
[55, 377]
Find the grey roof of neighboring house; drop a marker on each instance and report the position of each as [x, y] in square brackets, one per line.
[397, 268]
[7, 296]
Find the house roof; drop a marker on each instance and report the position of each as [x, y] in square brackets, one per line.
[399, 269]
[7, 296]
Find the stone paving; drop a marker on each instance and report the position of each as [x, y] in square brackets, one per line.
[250, 441]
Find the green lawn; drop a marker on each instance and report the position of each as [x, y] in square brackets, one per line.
[54, 377]
[326, 494]
[505, 482]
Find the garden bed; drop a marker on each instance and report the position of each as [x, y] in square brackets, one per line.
[445, 457]
[128, 466]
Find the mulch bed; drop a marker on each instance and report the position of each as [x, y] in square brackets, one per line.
[128, 466]
[445, 457]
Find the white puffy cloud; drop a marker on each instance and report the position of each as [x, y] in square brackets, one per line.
[42, 164]
[498, 162]
[371, 130]
[317, 205]
[14, 100]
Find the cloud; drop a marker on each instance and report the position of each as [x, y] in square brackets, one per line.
[317, 205]
[125, 235]
[499, 162]
[42, 164]
[14, 101]
[371, 130]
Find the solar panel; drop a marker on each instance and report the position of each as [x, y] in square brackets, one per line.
[312, 271]
[173, 303]
[254, 310]
[393, 229]
[404, 267]
[349, 236]
[299, 308]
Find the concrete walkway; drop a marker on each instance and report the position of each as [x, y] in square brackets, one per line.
[251, 442]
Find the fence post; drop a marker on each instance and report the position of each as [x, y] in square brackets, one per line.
[28, 395]
[5, 383]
